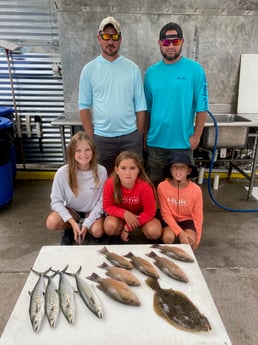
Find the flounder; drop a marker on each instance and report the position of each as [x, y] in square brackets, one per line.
[177, 309]
[168, 267]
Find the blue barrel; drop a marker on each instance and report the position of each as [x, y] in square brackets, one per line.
[6, 173]
[8, 113]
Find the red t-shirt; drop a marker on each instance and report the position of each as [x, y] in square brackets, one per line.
[139, 200]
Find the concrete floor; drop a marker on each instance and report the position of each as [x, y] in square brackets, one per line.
[228, 254]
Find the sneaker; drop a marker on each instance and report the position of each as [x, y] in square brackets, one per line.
[67, 238]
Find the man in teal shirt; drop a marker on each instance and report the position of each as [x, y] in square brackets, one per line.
[177, 102]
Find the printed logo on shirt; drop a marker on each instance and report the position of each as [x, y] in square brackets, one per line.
[131, 200]
[174, 201]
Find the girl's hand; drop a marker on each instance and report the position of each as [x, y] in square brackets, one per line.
[183, 238]
[131, 220]
[124, 235]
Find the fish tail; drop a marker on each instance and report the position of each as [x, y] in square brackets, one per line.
[155, 245]
[104, 265]
[151, 254]
[103, 250]
[153, 283]
[73, 274]
[41, 273]
[129, 255]
[94, 277]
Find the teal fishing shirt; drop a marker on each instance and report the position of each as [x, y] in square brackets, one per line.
[114, 92]
[174, 93]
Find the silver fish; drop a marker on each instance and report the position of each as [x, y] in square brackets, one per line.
[116, 259]
[176, 308]
[116, 289]
[168, 267]
[88, 294]
[143, 265]
[174, 252]
[66, 297]
[52, 305]
[37, 302]
[121, 274]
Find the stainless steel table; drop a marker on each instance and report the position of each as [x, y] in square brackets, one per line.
[121, 324]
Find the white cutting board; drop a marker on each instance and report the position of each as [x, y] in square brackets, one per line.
[121, 324]
[248, 85]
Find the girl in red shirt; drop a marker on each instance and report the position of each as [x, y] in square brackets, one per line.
[129, 199]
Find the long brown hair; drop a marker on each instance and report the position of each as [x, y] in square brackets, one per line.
[142, 173]
[72, 164]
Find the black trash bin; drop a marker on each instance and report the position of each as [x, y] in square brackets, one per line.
[8, 113]
[6, 173]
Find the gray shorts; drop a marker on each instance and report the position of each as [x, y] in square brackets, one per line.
[157, 159]
[108, 148]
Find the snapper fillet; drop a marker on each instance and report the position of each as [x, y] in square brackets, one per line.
[143, 265]
[168, 267]
[116, 289]
[174, 252]
[177, 309]
[88, 294]
[116, 259]
[37, 302]
[121, 274]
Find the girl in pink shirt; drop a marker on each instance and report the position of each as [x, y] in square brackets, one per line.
[129, 199]
[181, 202]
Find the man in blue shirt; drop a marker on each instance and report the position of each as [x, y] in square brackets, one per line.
[111, 98]
[177, 102]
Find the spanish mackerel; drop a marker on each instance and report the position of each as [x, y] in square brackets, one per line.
[52, 305]
[116, 289]
[37, 302]
[116, 259]
[177, 309]
[88, 294]
[168, 267]
[66, 297]
[174, 252]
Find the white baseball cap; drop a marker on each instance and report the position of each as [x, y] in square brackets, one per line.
[110, 20]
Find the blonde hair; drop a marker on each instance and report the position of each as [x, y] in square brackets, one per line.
[142, 173]
[72, 164]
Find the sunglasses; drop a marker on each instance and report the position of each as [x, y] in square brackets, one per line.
[175, 41]
[107, 37]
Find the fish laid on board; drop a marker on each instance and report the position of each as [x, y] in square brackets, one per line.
[121, 274]
[177, 309]
[116, 259]
[66, 297]
[116, 289]
[88, 294]
[174, 252]
[143, 265]
[37, 302]
[168, 267]
[52, 305]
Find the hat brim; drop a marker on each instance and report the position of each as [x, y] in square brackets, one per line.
[193, 174]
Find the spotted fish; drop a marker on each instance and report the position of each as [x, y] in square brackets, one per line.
[52, 306]
[177, 309]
